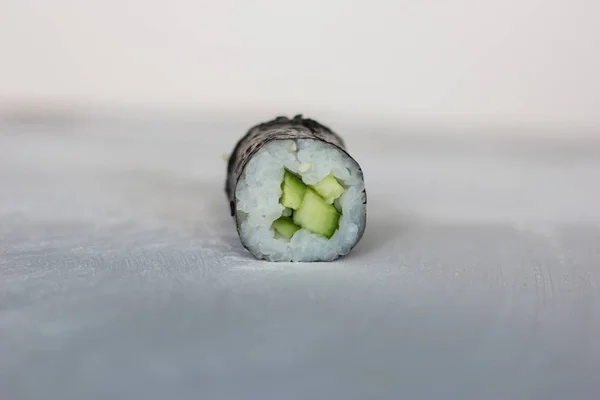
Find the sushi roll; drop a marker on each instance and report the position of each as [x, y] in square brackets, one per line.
[295, 193]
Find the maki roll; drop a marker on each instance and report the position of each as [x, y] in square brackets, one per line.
[295, 193]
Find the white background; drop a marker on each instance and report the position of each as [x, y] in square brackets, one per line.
[529, 61]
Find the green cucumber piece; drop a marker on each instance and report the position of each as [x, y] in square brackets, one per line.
[316, 215]
[292, 191]
[329, 188]
[285, 227]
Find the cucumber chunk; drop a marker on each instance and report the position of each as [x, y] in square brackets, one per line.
[293, 190]
[329, 188]
[285, 227]
[316, 215]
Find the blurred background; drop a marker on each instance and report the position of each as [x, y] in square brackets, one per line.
[525, 63]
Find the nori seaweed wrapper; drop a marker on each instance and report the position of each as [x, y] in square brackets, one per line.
[279, 128]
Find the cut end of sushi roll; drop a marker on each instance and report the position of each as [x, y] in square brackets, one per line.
[300, 200]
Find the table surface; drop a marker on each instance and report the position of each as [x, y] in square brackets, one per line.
[121, 275]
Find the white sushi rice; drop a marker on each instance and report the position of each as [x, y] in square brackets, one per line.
[259, 189]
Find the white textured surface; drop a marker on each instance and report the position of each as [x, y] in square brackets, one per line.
[121, 276]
